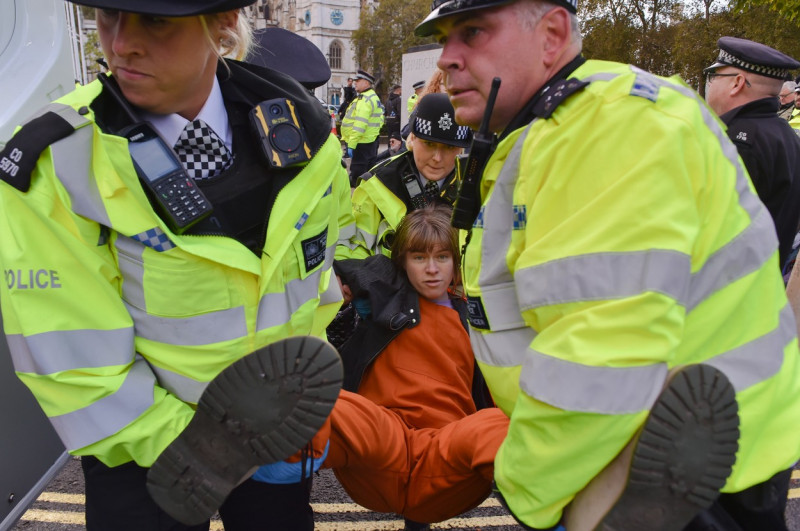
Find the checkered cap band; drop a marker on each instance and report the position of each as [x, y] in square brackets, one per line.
[155, 239]
[202, 152]
[768, 71]
[462, 133]
[423, 126]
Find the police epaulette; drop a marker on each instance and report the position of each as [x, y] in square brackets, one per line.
[555, 95]
[19, 157]
[374, 171]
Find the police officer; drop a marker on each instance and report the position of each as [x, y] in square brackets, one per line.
[742, 87]
[786, 100]
[412, 100]
[422, 175]
[140, 353]
[361, 126]
[617, 239]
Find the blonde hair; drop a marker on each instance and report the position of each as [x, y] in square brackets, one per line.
[235, 42]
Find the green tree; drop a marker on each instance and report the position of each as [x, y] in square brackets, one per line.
[385, 33]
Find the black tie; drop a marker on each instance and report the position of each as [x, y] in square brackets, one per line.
[202, 152]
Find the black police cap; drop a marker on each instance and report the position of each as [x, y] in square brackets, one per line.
[753, 57]
[288, 52]
[445, 8]
[433, 119]
[364, 75]
[167, 8]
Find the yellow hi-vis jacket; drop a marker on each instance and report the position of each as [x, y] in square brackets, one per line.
[619, 238]
[794, 121]
[115, 323]
[363, 119]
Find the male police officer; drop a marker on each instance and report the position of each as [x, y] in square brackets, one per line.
[786, 99]
[361, 126]
[742, 87]
[618, 239]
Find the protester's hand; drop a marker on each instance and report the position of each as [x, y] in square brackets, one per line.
[346, 293]
[284, 473]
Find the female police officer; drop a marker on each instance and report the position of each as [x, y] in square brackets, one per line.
[142, 305]
[423, 174]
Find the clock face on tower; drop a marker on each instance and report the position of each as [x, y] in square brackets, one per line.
[337, 17]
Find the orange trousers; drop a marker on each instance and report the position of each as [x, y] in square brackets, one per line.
[426, 475]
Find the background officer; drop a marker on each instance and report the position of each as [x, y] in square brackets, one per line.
[618, 238]
[742, 87]
[412, 100]
[147, 314]
[786, 98]
[422, 175]
[361, 126]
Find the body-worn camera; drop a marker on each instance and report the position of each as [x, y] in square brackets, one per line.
[283, 137]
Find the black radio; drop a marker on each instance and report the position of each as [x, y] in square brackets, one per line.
[180, 202]
[160, 169]
[411, 182]
[283, 137]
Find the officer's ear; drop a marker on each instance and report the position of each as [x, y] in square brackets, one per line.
[556, 28]
[740, 82]
[410, 142]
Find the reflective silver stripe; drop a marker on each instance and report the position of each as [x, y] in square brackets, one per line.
[358, 129]
[500, 301]
[741, 256]
[615, 275]
[66, 350]
[72, 160]
[73, 117]
[333, 294]
[107, 416]
[275, 309]
[759, 359]
[498, 219]
[502, 349]
[347, 232]
[196, 330]
[131, 266]
[183, 387]
[601, 76]
[750, 249]
[576, 387]
[601, 276]
[368, 238]
[619, 390]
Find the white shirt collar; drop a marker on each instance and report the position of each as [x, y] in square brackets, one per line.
[213, 113]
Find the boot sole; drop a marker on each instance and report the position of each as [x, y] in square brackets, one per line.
[684, 454]
[261, 409]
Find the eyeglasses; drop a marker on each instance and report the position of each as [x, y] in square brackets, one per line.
[711, 75]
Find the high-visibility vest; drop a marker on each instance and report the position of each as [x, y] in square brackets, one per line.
[618, 238]
[363, 120]
[115, 323]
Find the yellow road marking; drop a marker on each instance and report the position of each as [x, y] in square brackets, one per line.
[794, 493]
[77, 518]
[795, 474]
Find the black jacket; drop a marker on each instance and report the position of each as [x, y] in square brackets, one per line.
[393, 306]
[392, 171]
[770, 149]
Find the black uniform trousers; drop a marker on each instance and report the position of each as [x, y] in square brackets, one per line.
[364, 156]
[117, 500]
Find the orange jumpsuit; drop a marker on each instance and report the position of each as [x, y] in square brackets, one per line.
[411, 442]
